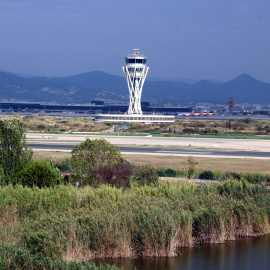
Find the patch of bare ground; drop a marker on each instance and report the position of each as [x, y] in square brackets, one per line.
[217, 164]
[176, 162]
[50, 154]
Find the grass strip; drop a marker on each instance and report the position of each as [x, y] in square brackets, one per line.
[220, 136]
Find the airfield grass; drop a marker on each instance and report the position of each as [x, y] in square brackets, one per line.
[55, 124]
[179, 162]
[245, 128]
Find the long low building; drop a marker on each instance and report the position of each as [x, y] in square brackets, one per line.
[148, 118]
[90, 109]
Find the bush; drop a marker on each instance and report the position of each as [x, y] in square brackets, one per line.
[247, 120]
[170, 172]
[38, 173]
[191, 167]
[64, 165]
[41, 126]
[206, 175]
[89, 156]
[145, 175]
[189, 130]
[116, 175]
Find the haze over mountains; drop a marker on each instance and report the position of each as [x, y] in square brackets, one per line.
[83, 88]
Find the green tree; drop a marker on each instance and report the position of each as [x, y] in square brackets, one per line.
[38, 173]
[89, 156]
[14, 152]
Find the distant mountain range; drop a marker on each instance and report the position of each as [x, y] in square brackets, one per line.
[83, 88]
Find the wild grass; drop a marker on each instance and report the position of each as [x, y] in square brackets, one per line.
[17, 258]
[252, 177]
[84, 224]
[245, 128]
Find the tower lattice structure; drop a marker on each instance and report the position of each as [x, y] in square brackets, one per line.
[135, 72]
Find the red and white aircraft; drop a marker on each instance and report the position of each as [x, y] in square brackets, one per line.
[198, 114]
[214, 113]
[192, 114]
[186, 114]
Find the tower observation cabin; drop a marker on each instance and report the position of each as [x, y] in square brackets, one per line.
[135, 72]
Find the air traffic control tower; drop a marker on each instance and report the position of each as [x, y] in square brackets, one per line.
[135, 72]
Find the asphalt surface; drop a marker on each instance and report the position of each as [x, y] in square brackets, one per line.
[160, 142]
[164, 151]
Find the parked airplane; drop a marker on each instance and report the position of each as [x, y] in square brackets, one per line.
[198, 114]
[192, 114]
[186, 114]
[208, 113]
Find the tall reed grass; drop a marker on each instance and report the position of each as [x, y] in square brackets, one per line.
[84, 224]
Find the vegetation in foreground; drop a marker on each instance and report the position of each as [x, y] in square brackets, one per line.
[44, 222]
[16, 259]
[82, 224]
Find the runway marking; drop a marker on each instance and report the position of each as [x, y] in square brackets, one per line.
[185, 152]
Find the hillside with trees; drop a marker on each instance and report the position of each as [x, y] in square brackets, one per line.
[82, 88]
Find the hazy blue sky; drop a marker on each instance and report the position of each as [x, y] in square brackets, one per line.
[201, 39]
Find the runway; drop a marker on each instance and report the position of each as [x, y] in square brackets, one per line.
[178, 146]
[164, 151]
[158, 142]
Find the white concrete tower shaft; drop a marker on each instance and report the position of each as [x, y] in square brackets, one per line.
[135, 72]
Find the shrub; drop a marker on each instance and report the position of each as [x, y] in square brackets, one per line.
[64, 165]
[189, 130]
[247, 120]
[170, 172]
[116, 175]
[41, 126]
[191, 167]
[89, 156]
[206, 175]
[145, 175]
[38, 173]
